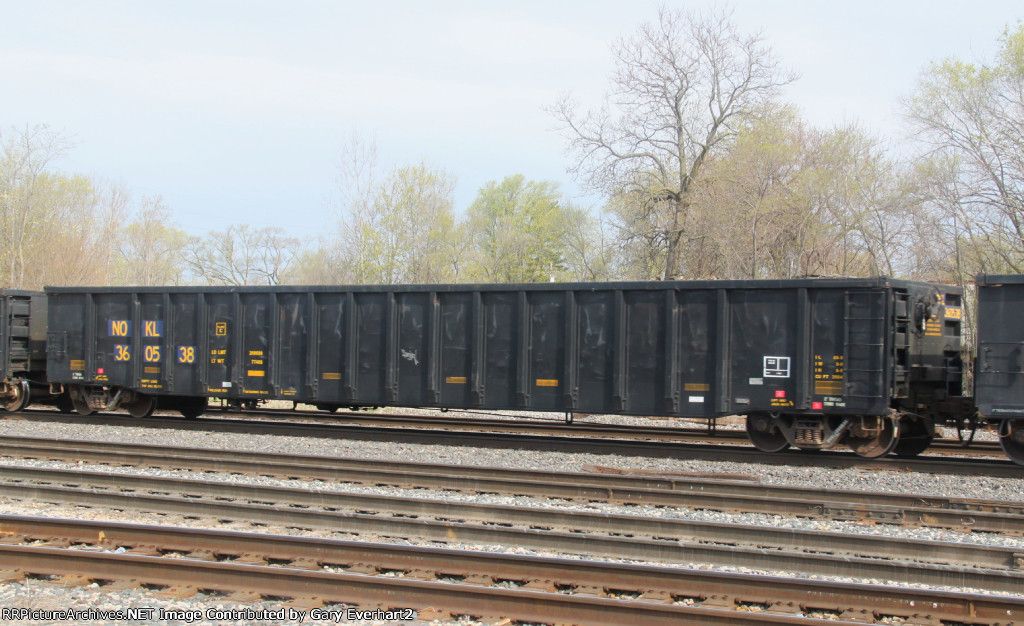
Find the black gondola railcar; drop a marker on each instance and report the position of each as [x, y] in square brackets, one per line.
[809, 362]
[999, 365]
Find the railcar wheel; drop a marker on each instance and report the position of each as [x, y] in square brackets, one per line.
[143, 407]
[193, 408]
[874, 437]
[765, 434]
[915, 437]
[1011, 438]
[20, 396]
[81, 405]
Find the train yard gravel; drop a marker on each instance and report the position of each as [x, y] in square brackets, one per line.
[27, 592]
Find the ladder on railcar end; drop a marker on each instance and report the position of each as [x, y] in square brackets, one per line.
[19, 349]
[864, 314]
[901, 347]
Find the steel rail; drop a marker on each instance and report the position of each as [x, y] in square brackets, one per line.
[730, 534]
[594, 445]
[732, 496]
[294, 508]
[646, 581]
[359, 589]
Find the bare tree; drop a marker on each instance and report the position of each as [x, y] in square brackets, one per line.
[151, 247]
[586, 246]
[26, 192]
[345, 249]
[242, 255]
[680, 86]
[75, 246]
[970, 118]
[55, 228]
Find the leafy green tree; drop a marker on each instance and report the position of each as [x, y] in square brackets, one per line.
[407, 233]
[515, 231]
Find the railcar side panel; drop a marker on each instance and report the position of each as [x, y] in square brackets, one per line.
[999, 370]
[456, 333]
[220, 311]
[547, 345]
[290, 347]
[762, 351]
[596, 340]
[644, 347]
[185, 354]
[150, 368]
[501, 359]
[328, 345]
[256, 361]
[693, 376]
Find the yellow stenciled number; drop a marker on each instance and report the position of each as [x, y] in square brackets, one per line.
[152, 354]
[186, 354]
[122, 353]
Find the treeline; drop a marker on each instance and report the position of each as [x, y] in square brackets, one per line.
[705, 173]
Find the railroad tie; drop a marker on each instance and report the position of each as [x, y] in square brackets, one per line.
[659, 595]
[857, 615]
[177, 592]
[540, 584]
[75, 580]
[589, 590]
[478, 579]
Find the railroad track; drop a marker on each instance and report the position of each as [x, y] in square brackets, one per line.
[605, 444]
[466, 420]
[469, 421]
[698, 491]
[570, 532]
[312, 573]
[665, 540]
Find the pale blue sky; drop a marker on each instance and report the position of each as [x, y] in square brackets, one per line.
[237, 111]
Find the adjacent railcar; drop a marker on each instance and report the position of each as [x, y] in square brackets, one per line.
[999, 365]
[810, 362]
[22, 347]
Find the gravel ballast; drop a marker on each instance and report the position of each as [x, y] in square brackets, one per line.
[27, 593]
